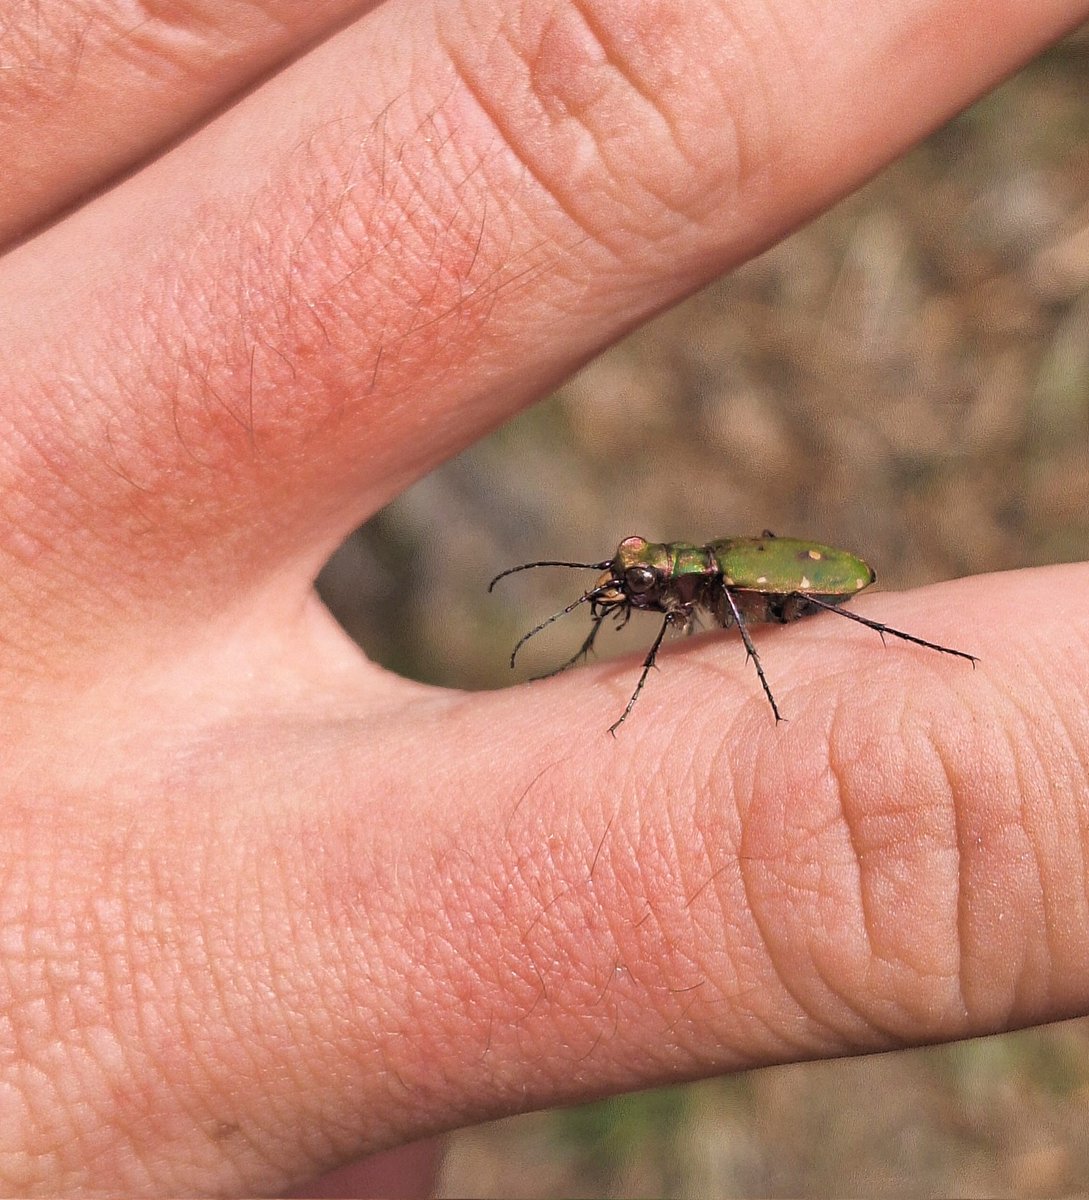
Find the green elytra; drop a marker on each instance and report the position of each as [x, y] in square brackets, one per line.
[736, 581]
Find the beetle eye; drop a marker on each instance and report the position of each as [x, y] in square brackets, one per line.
[640, 579]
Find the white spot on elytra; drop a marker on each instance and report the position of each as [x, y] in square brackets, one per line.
[814, 554]
[805, 582]
[761, 579]
[860, 583]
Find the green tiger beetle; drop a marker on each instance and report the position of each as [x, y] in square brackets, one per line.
[736, 581]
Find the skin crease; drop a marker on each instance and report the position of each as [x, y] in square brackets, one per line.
[263, 907]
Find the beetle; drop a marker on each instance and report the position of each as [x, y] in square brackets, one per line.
[735, 581]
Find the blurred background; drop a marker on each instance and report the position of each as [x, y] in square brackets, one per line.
[908, 378]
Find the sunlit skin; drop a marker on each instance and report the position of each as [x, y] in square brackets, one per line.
[266, 908]
[734, 581]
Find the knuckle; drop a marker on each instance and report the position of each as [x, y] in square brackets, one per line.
[621, 114]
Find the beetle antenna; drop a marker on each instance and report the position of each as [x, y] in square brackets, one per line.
[599, 566]
[555, 617]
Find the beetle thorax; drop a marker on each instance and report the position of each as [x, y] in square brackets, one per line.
[669, 577]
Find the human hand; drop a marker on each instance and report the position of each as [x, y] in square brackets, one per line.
[267, 908]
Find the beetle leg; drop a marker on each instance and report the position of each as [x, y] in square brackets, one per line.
[883, 629]
[648, 662]
[588, 645]
[586, 596]
[750, 649]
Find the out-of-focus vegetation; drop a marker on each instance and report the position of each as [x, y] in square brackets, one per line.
[907, 377]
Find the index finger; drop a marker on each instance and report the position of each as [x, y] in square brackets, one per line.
[272, 330]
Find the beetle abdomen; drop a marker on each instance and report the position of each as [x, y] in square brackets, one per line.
[779, 566]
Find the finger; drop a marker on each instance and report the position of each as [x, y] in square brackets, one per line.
[332, 288]
[479, 932]
[900, 863]
[88, 90]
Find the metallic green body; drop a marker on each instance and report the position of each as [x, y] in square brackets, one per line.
[759, 579]
[768, 565]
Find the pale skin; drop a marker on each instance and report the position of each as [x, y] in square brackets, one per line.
[266, 908]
